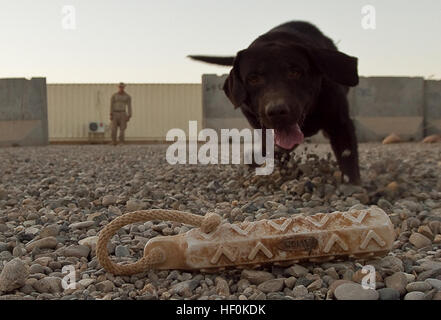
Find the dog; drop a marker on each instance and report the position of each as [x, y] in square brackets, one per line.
[294, 80]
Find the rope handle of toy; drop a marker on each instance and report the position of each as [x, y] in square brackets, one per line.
[207, 223]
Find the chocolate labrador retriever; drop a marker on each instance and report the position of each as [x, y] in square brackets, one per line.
[294, 80]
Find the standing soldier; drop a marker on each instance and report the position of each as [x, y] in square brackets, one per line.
[118, 114]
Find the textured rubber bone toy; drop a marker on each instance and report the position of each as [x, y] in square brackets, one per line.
[215, 245]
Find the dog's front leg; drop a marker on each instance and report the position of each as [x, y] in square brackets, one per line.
[344, 144]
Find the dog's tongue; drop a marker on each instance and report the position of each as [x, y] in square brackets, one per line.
[287, 139]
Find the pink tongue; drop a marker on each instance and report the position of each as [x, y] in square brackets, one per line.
[287, 139]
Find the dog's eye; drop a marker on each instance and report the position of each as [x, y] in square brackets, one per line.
[255, 79]
[294, 74]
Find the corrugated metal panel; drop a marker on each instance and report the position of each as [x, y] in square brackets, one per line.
[157, 108]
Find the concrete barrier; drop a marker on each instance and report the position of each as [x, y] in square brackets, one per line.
[378, 106]
[382, 105]
[432, 107]
[23, 112]
[218, 112]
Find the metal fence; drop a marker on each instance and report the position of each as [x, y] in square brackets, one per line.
[156, 109]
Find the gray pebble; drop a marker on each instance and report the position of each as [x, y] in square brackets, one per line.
[122, 251]
[435, 283]
[354, 291]
[296, 271]
[272, 285]
[397, 281]
[256, 277]
[13, 275]
[414, 295]
[389, 294]
[418, 286]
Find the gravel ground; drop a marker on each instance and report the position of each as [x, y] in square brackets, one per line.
[54, 200]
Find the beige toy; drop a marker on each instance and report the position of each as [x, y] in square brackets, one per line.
[216, 245]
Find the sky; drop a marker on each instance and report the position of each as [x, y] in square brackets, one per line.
[145, 41]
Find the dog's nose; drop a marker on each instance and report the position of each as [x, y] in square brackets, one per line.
[275, 111]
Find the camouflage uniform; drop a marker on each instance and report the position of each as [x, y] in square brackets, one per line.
[119, 116]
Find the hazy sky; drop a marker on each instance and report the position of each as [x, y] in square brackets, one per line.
[147, 41]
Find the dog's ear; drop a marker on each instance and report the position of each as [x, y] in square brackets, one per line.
[336, 65]
[233, 86]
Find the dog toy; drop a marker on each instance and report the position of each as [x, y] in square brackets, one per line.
[216, 245]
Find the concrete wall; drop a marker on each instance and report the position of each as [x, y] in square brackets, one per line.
[218, 112]
[382, 105]
[410, 107]
[432, 106]
[23, 112]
